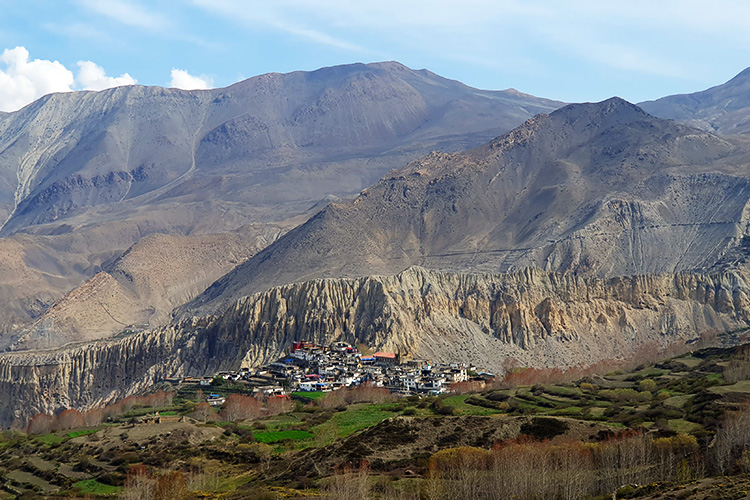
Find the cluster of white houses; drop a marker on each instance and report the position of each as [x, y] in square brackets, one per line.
[308, 367]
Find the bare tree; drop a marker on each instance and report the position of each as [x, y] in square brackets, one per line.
[41, 423]
[70, 419]
[349, 484]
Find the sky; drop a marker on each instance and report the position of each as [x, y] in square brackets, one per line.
[573, 50]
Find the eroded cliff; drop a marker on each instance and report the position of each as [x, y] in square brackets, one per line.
[537, 318]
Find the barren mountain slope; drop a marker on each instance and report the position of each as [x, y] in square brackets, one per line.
[600, 189]
[140, 289]
[724, 108]
[68, 152]
[114, 166]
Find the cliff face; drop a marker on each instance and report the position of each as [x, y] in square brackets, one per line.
[537, 318]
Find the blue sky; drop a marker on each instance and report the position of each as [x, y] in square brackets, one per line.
[584, 50]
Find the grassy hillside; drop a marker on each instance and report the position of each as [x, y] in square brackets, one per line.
[678, 413]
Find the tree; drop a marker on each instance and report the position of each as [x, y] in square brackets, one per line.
[239, 407]
[201, 411]
[41, 423]
[171, 486]
[70, 419]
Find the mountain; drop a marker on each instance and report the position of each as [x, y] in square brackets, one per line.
[599, 189]
[143, 286]
[86, 175]
[590, 234]
[68, 152]
[724, 109]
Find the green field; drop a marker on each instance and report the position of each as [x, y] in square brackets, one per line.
[309, 395]
[741, 386]
[275, 437]
[358, 417]
[51, 438]
[460, 407]
[82, 432]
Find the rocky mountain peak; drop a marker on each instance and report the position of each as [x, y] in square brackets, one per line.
[613, 111]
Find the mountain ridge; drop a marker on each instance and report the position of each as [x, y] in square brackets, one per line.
[723, 108]
[591, 171]
[537, 318]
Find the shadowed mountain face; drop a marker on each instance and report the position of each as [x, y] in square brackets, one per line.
[600, 189]
[724, 108]
[85, 175]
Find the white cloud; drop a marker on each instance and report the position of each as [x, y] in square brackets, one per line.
[92, 77]
[181, 79]
[23, 80]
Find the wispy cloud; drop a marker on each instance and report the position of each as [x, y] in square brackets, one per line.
[592, 31]
[77, 30]
[129, 13]
[254, 14]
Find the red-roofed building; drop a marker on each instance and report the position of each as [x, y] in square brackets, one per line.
[387, 358]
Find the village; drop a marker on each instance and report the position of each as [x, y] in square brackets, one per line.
[309, 367]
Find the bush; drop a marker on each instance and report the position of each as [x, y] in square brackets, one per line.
[112, 478]
[647, 385]
[542, 428]
[441, 408]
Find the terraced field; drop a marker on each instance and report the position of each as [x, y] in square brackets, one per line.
[296, 453]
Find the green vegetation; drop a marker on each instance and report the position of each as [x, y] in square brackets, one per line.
[680, 402]
[275, 437]
[460, 406]
[359, 417]
[51, 439]
[96, 488]
[309, 395]
[82, 432]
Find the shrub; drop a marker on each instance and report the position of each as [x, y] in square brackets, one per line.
[542, 428]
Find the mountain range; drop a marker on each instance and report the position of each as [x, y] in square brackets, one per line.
[86, 175]
[227, 223]
[724, 108]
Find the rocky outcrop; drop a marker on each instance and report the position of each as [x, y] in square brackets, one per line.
[537, 318]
